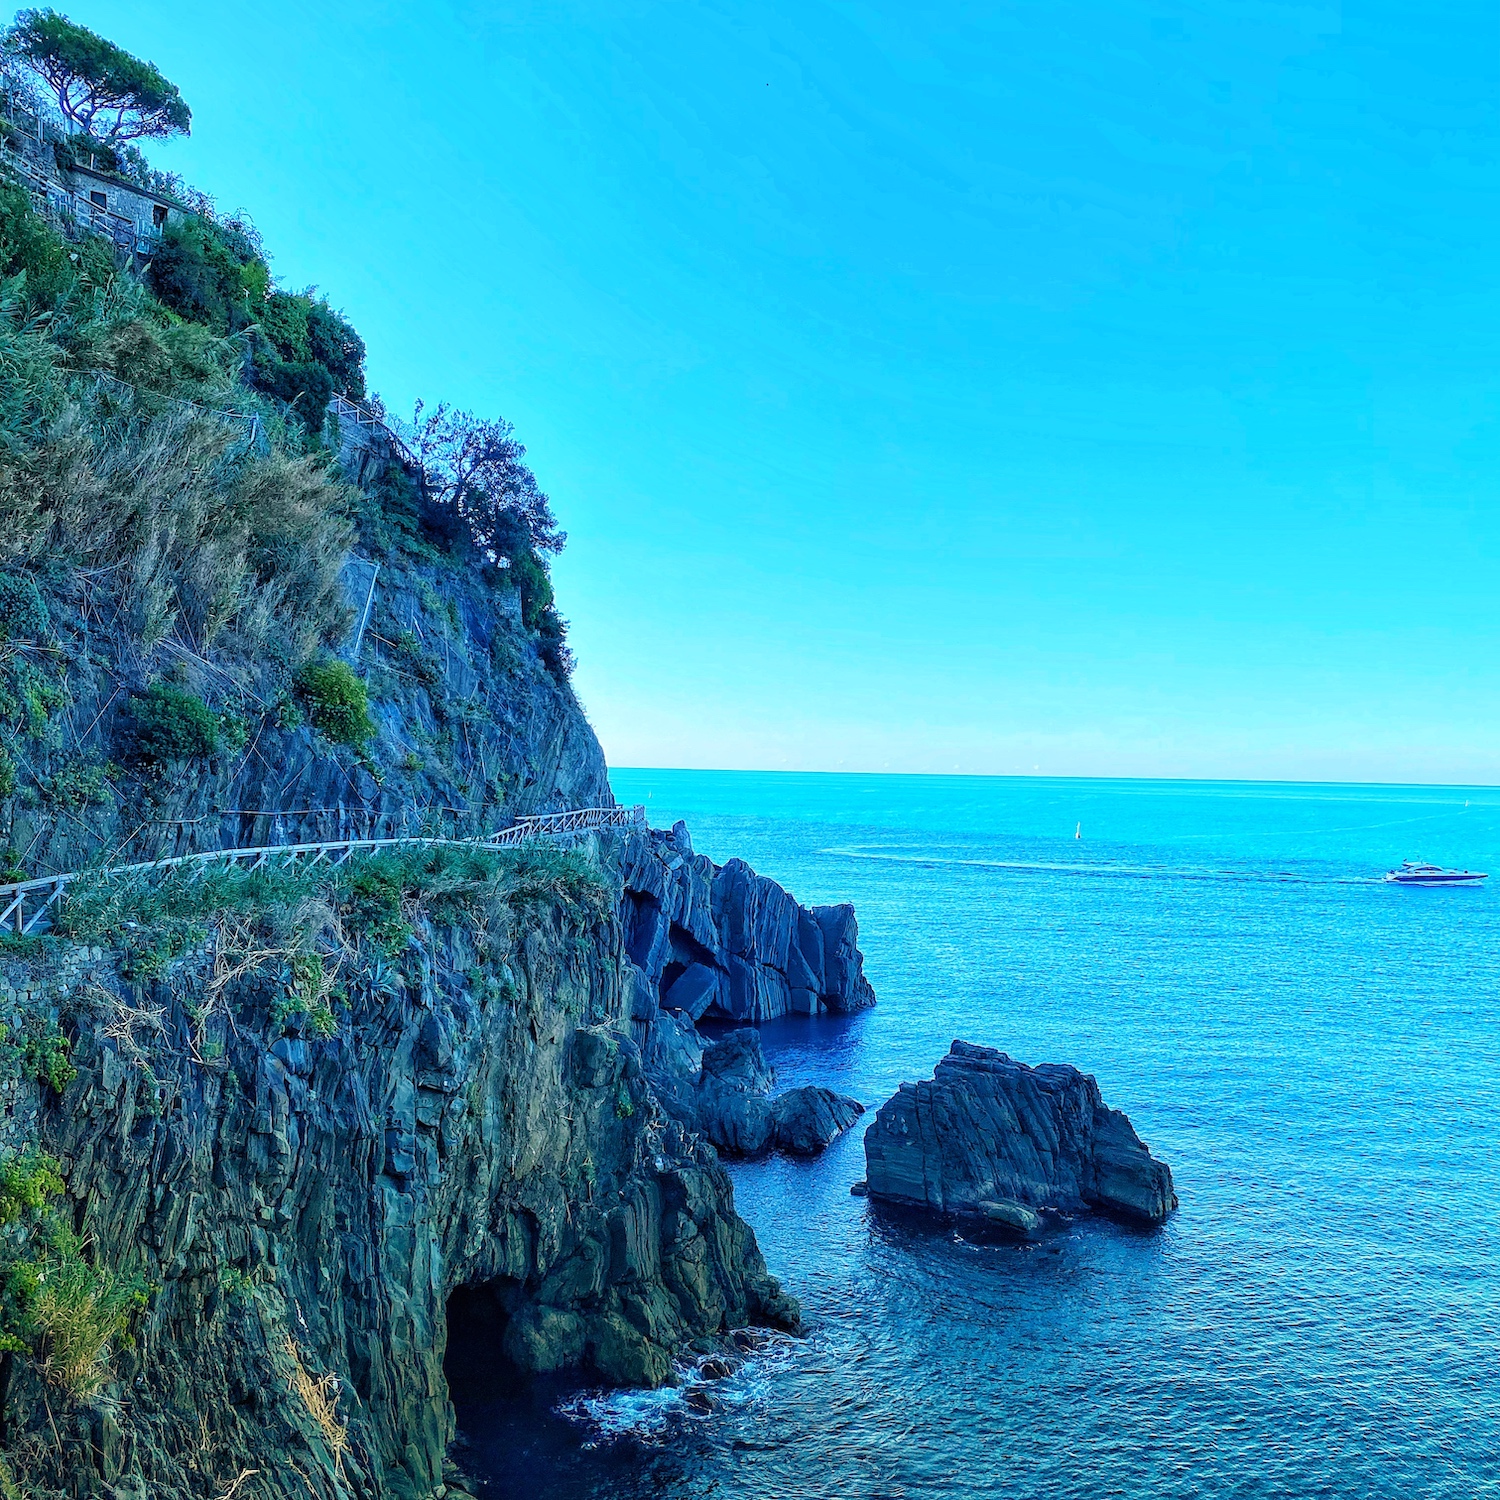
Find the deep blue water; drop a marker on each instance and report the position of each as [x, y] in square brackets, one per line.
[1314, 1052]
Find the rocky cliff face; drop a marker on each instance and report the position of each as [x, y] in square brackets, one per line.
[725, 943]
[476, 1139]
[989, 1137]
[471, 727]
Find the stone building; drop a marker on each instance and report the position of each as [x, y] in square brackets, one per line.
[79, 194]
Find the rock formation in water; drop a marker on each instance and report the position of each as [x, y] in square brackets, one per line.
[723, 942]
[988, 1137]
[723, 1090]
[733, 1106]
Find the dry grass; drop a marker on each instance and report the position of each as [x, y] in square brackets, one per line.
[80, 1313]
[234, 1487]
[181, 532]
[130, 1027]
[320, 1397]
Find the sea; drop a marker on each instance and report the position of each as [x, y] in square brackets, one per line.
[1315, 1052]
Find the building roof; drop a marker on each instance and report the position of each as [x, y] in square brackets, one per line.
[128, 186]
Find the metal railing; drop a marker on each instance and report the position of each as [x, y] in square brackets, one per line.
[25, 904]
[361, 416]
[58, 202]
[580, 820]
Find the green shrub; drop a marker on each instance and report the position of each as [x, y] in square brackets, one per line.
[46, 1057]
[27, 1182]
[7, 773]
[304, 385]
[337, 702]
[27, 698]
[66, 1313]
[82, 781]
[287, 713]
[552, 646]
[39, 1052]
[310, 993]
[305, 353]
[30, 247]
[417, 660]
[209, 274]
[234, 730]
[169, 723]
[528, 573]
[23, 612]
[539, 876]
[373, 902]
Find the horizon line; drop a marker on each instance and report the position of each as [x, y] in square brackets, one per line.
[1476, 786]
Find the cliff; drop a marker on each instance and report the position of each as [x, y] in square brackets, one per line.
[472, 1137]
[989, 1137]
[135, 742]
[268, 1135]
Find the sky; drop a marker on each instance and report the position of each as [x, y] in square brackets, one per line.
[1046, 387]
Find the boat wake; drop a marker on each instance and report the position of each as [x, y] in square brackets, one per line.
[1098, 870]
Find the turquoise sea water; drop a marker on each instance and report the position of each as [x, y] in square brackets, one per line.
[1314, 1052]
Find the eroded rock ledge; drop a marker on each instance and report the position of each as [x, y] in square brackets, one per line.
[722, 942]
[989, 1137]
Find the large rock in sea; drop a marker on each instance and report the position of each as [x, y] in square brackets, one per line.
[805, 1120]
[989, 1138]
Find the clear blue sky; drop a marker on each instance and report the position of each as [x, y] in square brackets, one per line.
[1092, 388]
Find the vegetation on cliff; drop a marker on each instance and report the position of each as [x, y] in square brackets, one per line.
[177, 523]
[57, 1306]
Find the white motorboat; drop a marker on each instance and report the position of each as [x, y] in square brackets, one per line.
[1413, 872]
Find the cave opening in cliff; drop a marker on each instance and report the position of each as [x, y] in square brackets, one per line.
[475, 1363]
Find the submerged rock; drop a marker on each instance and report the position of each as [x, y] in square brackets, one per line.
[989, 1137]
[1012, 1216]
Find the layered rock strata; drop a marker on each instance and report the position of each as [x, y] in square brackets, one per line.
[989, 1137]
[723, 942]
[477, 1142]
